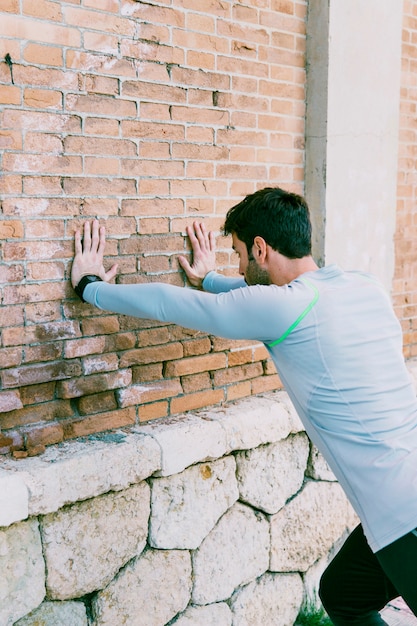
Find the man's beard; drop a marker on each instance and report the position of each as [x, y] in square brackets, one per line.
[255, 275]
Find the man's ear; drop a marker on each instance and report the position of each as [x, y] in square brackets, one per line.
[259, 249]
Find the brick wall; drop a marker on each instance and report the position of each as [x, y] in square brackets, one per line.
[405, 282]
[147, 115]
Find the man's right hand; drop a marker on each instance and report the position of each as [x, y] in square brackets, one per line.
[204, 254]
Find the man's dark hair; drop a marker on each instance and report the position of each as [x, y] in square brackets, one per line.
[278, 216]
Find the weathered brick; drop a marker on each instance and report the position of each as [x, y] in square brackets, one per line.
[97, 403]
[155, 354]
[196, 382]
[35, 394]
[153, 411]
[141, 394]
[39, 373]
[196, 400]
[234, 374]
[44, 55]
[100, 422]
[146, 373]
[11, 229]
[96, 383]
[192, 365]
[40, 333]
[103, 363]
[9, 401]
[36, 413]
[43, 352]
[83, 347]
[10, 357]
[43, 98]
[43, 435]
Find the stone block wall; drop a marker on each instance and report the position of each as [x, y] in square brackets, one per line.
[219, 518]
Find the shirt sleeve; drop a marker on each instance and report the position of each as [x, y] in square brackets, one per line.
[244, 313]
[217, 283]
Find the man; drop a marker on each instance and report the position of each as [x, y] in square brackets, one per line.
[337, 346]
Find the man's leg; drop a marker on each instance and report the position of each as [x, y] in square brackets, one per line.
[354, 587]
[399, 561]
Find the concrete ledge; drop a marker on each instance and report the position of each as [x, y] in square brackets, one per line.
[82, 469]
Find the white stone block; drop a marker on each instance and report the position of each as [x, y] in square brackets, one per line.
[185, 507]
[257, 420]
[14, 499]
[272, 600]
[318, 467]
[149, 591]
[86, 544]
[78, 470]
[56, 614]
[22, 571]
[233, 554]
[269, 475]
[306, 529]
[186, 440]
[210, 615]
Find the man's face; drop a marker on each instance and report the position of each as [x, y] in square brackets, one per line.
[248, 266]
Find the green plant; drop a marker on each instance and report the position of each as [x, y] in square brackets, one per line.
[311, 616]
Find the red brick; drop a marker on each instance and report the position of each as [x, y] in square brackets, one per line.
[11, 229]
[155, 354]
[11, 315]
[10, 357]
[101, 126]
[43, 312]
[97, 383]
[100, 325]
[43, 98]
[197, 400]
[239, 390]
[99, 423]
[40, 333]
[152, 411]
[45, 270]
[146, 373]
[39, 373]
[43, 435]
[44, 55]
[152, 206]
[83, 347]
[10, 184]
[102, 363]
[196, 382]
[9, 401]
[97, 403]
[10, 140]
[43, 352]
[35, 394]
[195, 347]
[11, 273]
[10, 95]
[192, 365]
[10, 440]
[234, 374]
[266, 383]
[141, 394]
[101, 104]
[36, 413]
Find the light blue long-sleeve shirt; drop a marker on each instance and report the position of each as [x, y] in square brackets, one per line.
[337, 346]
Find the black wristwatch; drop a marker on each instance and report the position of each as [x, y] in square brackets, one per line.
[85, 280]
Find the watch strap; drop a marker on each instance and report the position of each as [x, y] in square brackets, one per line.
[84, 281]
